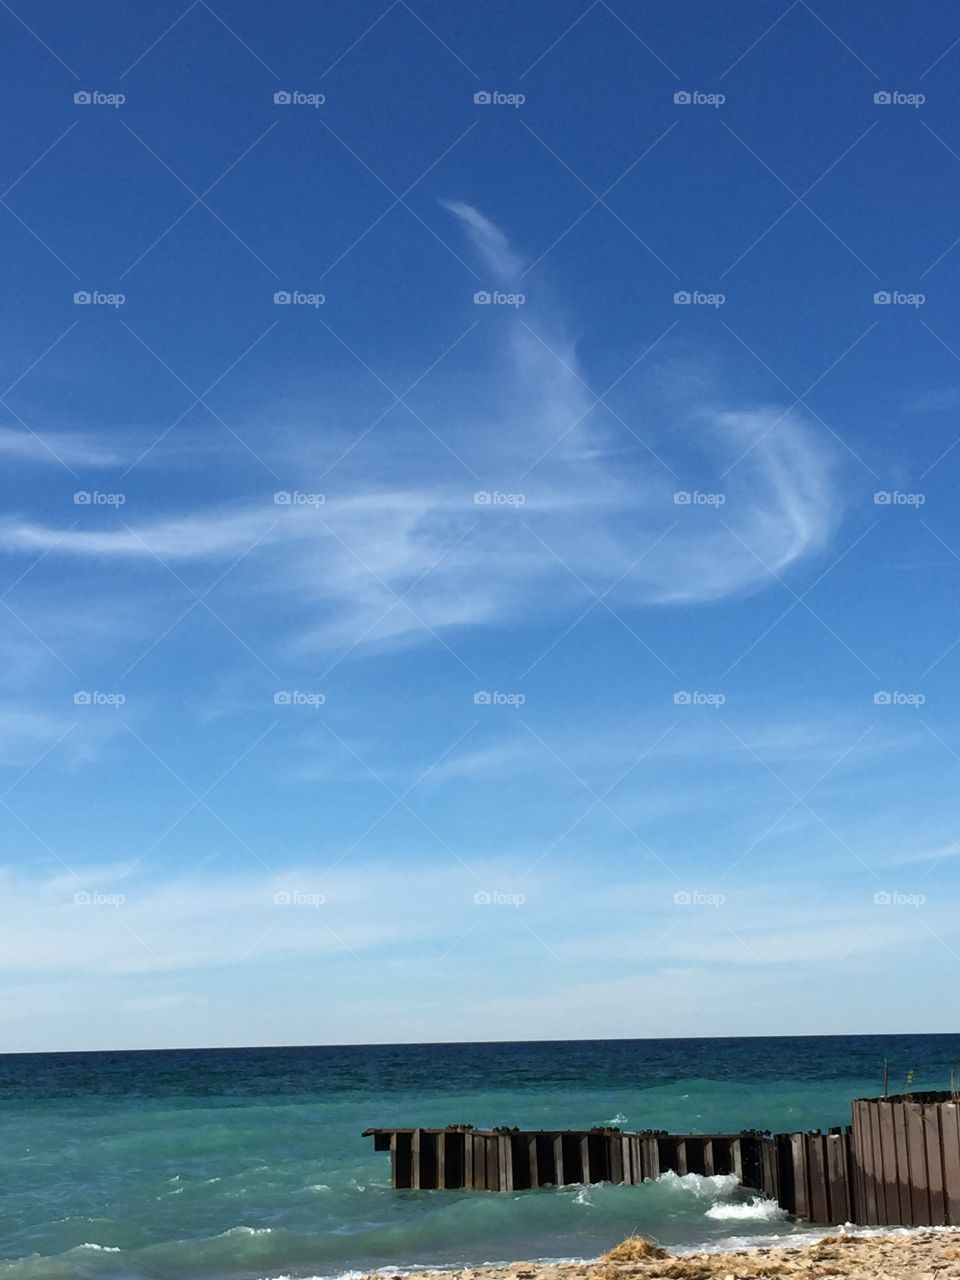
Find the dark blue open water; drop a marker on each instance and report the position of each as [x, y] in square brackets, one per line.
[248, 1163]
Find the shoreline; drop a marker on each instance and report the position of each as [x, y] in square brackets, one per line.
[906, 1254]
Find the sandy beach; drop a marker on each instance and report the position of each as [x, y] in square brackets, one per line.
[929, 1255]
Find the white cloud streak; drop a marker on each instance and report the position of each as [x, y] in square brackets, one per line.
[595, 508]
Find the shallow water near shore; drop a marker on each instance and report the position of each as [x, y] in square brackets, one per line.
[249, 1164]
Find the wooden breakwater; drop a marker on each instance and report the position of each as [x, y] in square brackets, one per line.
[906, 1166]
[897, 1164]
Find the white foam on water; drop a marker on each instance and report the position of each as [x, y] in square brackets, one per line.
[99, 1248]
[619, 1118]
[712, 1186]
[756, 1209]
[339, 1275]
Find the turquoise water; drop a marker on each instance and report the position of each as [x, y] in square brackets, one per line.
[249, 1164]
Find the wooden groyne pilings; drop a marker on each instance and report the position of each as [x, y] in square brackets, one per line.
[897, 1164]
[906, 1166]
[515, 1160]
[806, 1173]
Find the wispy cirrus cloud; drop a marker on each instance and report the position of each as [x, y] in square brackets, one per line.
[379, 562]
[56, 448]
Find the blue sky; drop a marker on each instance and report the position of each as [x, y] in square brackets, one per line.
[483, 562]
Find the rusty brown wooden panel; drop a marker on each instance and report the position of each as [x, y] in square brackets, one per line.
[934, 1149]
[871, 1166]
[889, 1187]
[584, 1157]
[852, 1212]
[478, 1162]
[558, 1164]
[615, 1157]
[885, 1211]
[493, 1162]
[917, 1156]
[771, 1169]
[884, 1190]
[838, 1193]
[903, 1163]
[709, 1161]
[872, 1120]
[858, 1187]
[626, 1163]
[481, 1161]
[650, 1154]
[533, 1163]
[480, 1145]
[800, 1194]
[950, 1142]
[415, 1159]
[504, 1162]
[815, 1144]
[441, 1172]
